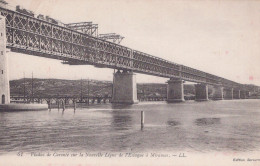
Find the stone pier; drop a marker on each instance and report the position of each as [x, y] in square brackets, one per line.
[124, 88]
[228, 94]
[201, 92]
[175, 90]
[236, 94]
[218, 93]
[4, 76]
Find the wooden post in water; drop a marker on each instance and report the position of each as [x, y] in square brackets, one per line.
[58, 105]
[63, 106]
[75, 105]
[49, 105]
[142, 119]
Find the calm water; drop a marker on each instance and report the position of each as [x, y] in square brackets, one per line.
[190, 126]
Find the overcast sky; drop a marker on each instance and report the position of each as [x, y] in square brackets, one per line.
[219, 37]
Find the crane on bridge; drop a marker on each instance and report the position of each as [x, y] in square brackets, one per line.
[113, 37]
[84, 27]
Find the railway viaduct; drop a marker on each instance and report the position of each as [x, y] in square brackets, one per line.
[34, 36]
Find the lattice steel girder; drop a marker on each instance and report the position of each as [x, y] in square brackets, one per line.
[34, 36]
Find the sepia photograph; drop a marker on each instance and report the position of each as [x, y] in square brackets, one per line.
[129, 82]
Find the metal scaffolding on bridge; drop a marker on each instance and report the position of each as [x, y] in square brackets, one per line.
[85, 27]
[113, 37]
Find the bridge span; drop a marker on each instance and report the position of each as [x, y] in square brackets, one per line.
[23, 33]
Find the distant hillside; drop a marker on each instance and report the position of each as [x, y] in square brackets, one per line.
[152, 89]
[54, 87]
[255, 95]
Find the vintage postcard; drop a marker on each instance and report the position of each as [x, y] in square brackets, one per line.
[129, 82]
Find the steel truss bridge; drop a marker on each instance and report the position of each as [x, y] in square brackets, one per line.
[30, 35]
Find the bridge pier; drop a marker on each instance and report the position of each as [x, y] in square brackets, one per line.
[236, 94]
[175, 90]
[4, 76]
[218, 93]
[124, 88]
[201, 92]
[229, 94]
